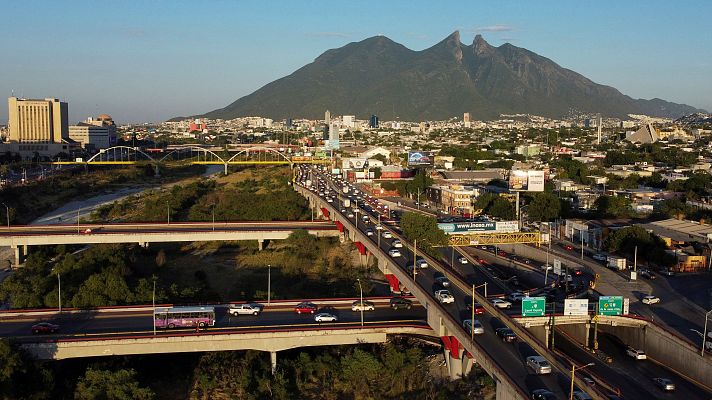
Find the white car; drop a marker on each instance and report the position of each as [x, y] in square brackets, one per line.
[365, 306]
[369, 232]
[325, 317]
[379, 227]
[539, 365]
[444, 296]
[635, 353]
[350, 215]
[599, 257]
[421, 263]
[244, 309]
[394, 253]
[516, 296]
[397, 243]
[387, 235]
[650, 300]
[462, 260]
[499, 303]
[475, 328]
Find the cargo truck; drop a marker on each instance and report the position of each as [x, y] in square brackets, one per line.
[617, 263]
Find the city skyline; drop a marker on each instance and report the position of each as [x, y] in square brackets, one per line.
[151, 62]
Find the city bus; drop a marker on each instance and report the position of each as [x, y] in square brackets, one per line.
[184, 317]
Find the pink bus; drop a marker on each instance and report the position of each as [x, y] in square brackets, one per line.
[184, 317]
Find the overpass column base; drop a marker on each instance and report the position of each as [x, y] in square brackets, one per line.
[18, 256]
[25, 250]
[273, 361]
[261, 244]
[454, 365]
[505, 392]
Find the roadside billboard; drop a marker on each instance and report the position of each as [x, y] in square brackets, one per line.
[526, 180]
[416, 158]
[479, 227]
[576, 307]
[354, 163]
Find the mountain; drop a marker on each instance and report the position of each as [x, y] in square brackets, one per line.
[379, 76]
[695, 119]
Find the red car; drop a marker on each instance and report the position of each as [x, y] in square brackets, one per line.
[569, 247]
[305, 308]
[479, 310]
[44, 327]
[502, 253]
[578, 272]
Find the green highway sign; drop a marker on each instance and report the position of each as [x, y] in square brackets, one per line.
[533, 306]
[610, 305]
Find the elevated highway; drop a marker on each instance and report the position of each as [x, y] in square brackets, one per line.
[20, 237]
[502, 361]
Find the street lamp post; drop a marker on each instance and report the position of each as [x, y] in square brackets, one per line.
[573, 371]
[361, 304]
[213, 216]
[415, 257]
[78, 209]
[154, 307]
[7, 214]
[168, 214]
[59, 293]
[379, 232]
[581, 233]
[269, 283]
[704, 333]
[472, 327]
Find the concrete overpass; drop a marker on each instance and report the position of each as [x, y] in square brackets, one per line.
[21, 237]
[510, 375]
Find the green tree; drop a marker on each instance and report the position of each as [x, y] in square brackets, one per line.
[613, 207]
[651, 248]
[97, 384]
[501, 208]
[544, 207]
[424, 229]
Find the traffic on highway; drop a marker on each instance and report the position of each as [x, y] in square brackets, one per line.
[505, 279]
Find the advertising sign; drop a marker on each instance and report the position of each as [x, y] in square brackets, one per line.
[480, 226]
[526, 180]
[354, 163]
[557, 267]
[420, 158]
[533, 306]
[576, 307]
[610, 305]
[626, 306]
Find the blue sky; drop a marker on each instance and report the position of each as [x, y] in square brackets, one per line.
[149, 61]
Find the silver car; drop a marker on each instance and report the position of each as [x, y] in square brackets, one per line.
[475, 328]
[539, 365]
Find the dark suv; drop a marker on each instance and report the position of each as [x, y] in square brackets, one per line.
[398, 303]
[506, 334]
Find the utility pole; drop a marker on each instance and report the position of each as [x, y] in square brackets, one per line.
[269, 283]
[154, 306]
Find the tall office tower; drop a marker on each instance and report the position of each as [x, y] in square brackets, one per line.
[37, 121]
[373, 122]
[466, 120]
[327, 117]
[334, 137]
[600, 125]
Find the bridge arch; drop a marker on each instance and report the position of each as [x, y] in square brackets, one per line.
[261, 149]
[110, 155]
[191, 149]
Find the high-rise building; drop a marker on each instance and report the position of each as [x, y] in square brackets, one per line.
[348, 121]
[37, 121]
[373, 122]
[327, 117]
[466, 120]
[334, 137]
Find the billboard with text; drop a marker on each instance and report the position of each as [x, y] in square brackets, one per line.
[416, 158]
[479, 227]
[526, 180]
[354, 163]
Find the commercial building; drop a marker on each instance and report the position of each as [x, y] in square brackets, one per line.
[37, 121]
[94, 133]
[373, 122]
[458, 199]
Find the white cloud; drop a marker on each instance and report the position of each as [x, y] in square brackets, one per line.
[495, 28]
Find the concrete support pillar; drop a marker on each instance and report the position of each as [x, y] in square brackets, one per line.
[18, 256]
[25, 250]
[225, 168]
[261, 244]
[467, 363]
[273, 361]
[454, 365]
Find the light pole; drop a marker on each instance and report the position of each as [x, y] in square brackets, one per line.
[361, 304]
[573, 371]
[472, 327]
[269, 283]
[356, 214]
[477, 287]
[7, 214]
[78, 209]
[581, 233]
[415, 257]
[213, 216]
[704, 333]
[59, 293]
[379, 232]
[154, 306]
[168, 208]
